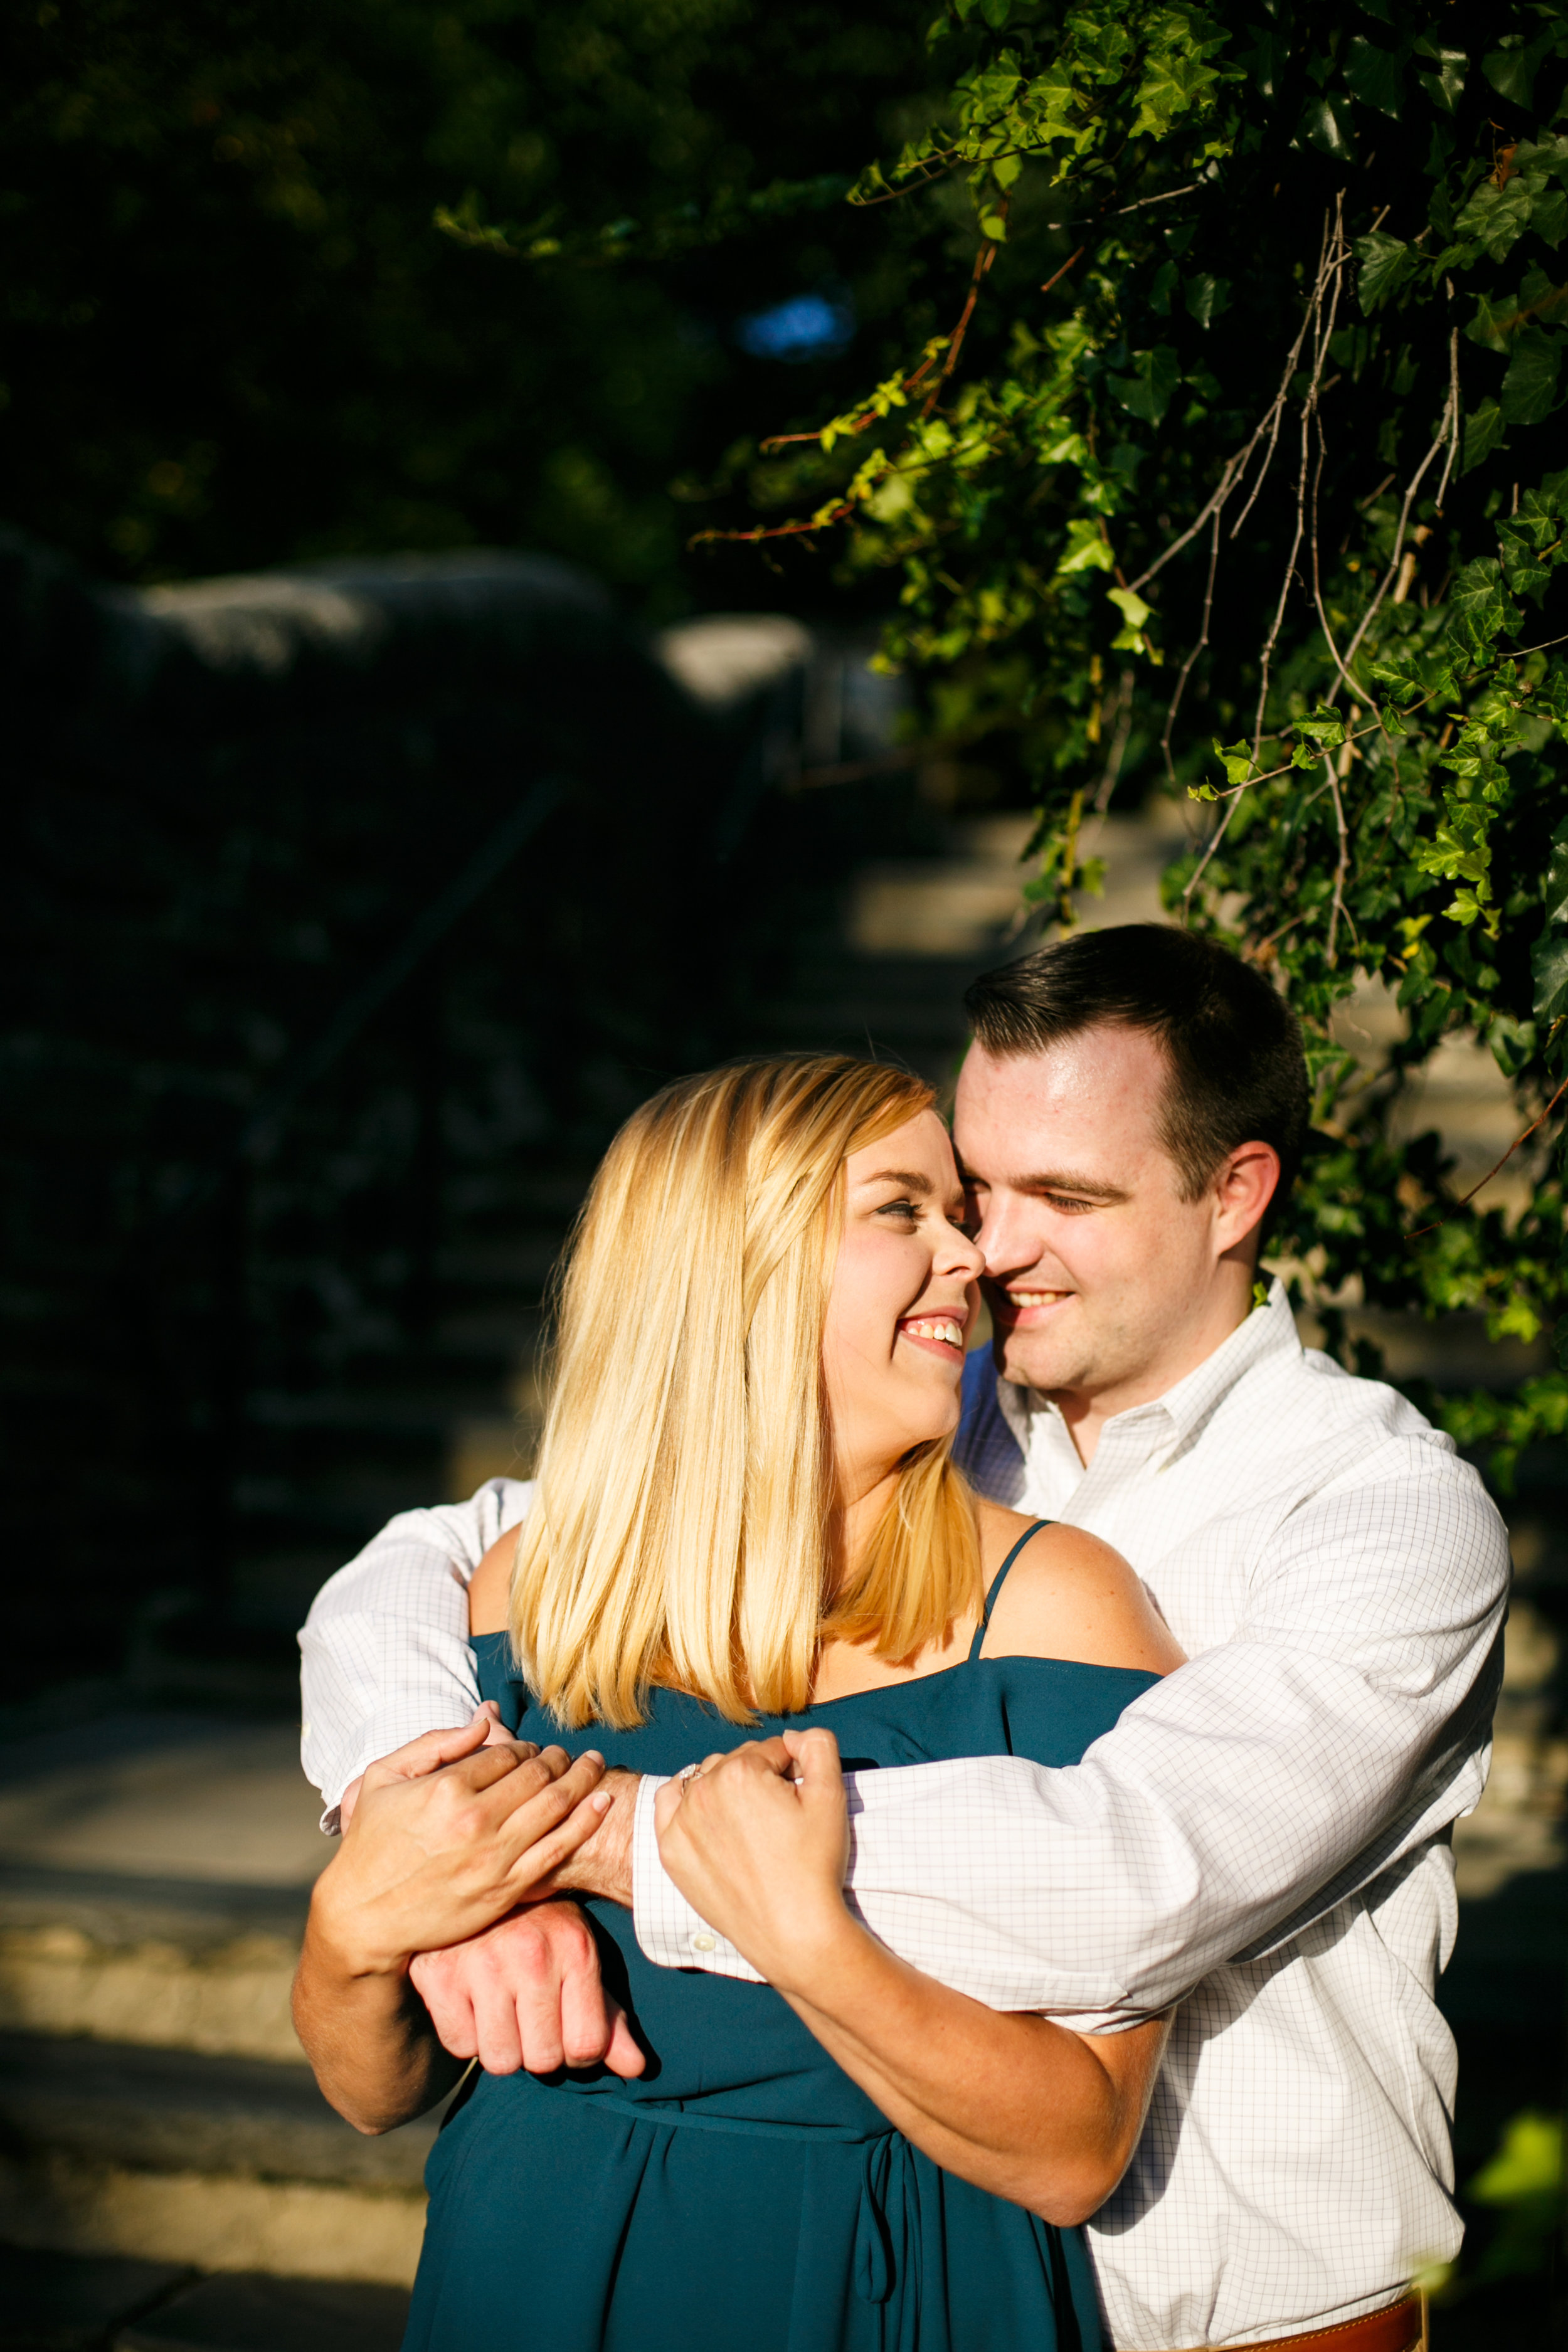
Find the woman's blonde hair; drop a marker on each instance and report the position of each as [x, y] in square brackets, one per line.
[682, 1528]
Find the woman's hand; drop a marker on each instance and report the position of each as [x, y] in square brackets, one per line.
[449, 1835]
[758, 1841]
[408, 1761]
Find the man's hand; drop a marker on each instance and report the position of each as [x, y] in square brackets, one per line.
[758, 1841]
[527, 1993]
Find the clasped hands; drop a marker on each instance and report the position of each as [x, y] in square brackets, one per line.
[457, 1846]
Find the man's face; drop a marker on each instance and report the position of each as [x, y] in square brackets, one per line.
[1100, 1276]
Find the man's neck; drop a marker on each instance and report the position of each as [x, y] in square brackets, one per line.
[1087, 1412]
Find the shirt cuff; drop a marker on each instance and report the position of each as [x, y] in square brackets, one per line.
[671, 1932]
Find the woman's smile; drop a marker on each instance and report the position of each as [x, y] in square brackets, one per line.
[938, 1335]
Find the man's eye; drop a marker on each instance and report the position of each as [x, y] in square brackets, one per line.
[1063, 1201]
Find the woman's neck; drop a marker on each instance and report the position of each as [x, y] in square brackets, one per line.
[858, 1519]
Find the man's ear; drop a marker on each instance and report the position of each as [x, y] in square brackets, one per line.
[1245, 1184]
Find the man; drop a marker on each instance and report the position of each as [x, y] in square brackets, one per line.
[1264, 1836]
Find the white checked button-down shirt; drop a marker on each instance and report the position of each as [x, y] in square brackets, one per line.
[1262, 1837]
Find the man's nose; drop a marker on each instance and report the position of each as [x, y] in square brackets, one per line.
[1002, 1238]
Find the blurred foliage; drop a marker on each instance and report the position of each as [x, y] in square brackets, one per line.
[1234, 475]
[1524, 2180]
[232, 332]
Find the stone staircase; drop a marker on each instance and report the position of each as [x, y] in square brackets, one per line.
[157, 2118]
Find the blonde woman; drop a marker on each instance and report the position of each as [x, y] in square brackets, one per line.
[746, 1523]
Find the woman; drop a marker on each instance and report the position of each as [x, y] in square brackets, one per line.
[746, 1514]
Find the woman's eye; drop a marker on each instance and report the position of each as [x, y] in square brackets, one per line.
[905, 1209]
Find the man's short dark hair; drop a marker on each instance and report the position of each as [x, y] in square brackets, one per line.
[1237, 1071]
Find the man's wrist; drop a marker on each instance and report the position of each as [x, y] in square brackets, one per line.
[603, 1866]
[338, 1943]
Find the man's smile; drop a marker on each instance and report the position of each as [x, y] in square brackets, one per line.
[1012, 1306]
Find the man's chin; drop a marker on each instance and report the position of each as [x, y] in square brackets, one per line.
[1040, 1365]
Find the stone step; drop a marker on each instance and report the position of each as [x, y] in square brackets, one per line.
[86, 2303]
[227, 2164]
[66, 2303]
[257, 2314]
[164, 1963]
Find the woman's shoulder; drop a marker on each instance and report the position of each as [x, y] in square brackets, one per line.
[1068, 1595]
[490, 1587]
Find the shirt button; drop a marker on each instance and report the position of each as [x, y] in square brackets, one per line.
[705, 1943]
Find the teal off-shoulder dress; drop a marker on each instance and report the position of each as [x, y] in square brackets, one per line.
[744, 2195]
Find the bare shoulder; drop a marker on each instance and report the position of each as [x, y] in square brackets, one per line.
[490, 1587]
[1067, 1595]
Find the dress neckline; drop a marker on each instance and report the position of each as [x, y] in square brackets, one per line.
[911, 1682]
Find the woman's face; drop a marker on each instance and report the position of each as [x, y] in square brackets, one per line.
[902, 1300]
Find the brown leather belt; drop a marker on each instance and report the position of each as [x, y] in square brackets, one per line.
[1397, 2327]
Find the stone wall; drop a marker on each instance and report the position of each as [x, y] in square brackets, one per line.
[344, 902]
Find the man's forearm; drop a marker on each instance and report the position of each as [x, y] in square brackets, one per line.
[1343, 1725]
[384, 1652]
[603, 1866]
[368, 2037]
[1202, 1825]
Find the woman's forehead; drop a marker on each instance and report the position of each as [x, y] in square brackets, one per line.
[921, 1146]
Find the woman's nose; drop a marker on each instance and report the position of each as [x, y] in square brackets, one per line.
[965, 1256]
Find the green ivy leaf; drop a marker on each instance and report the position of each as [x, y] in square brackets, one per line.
[1328, 123]
[1445, 87]
[1511, 67]
[1397, 679]
[1481, 608]
[1207, 296]
[1146, 393]
[1325, 727]
[1529, 388]
[1376, 76]
[1131, 605]
[1495, 218]
[1526, 575]
[1512, 1042]
[1385, 263]
[1086, 550]
[1549, 956]
[1483, 433]
[1556, 892]
[1236, 758]
[1549, 970]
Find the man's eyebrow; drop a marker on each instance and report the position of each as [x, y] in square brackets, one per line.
[908, 1179]
[1089, 1187]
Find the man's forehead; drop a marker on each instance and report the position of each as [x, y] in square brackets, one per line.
[1092, 1102]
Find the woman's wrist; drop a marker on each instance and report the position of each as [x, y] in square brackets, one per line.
[814, 1952]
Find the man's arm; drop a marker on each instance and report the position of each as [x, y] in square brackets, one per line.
[1343, 1724]
[386, 1659]
[385, 1653]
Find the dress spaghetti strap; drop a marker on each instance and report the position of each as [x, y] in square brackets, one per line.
[997, 1583]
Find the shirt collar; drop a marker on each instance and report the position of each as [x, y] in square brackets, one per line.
[1269, 1330]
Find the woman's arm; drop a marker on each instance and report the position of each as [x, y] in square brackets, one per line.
[1021, 2106]
[449, 1835]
